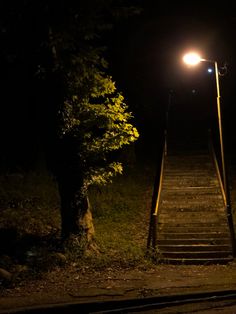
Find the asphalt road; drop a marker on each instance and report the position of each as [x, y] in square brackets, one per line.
[206, 307]
[223, 302]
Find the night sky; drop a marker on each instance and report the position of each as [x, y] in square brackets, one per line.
[145, 55]
[153, 64]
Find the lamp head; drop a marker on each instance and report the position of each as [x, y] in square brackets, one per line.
[192, 58]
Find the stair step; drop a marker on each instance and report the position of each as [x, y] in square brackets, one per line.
[174, 220]
[187, 208]
[193, 241]
[171, 170]
[176, 161]
[179, 163]
[196, 166]
[192, 236]
[193, 232]
[196, 261]
[191, 229]
[192, 215]
[192, 219]
[187, 224]
[191, 202]
[195, 198]
[188, 151]
[191, 156]
[190, 178]
[196, 248]
[200, 188]
[196, 254]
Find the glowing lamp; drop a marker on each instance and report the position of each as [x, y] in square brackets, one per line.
[192, 58]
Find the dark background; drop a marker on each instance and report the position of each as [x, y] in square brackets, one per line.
[145, 55]
[149, 64]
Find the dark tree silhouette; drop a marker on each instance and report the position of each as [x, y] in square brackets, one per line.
[81, 116]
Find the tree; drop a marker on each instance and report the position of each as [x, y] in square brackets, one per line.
[81, 116]
[93, 120]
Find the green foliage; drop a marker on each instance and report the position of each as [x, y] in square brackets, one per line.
[100, 129]
[93, 111]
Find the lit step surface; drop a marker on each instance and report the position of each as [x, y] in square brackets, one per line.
[192, 220]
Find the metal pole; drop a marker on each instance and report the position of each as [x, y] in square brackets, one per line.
[221, 134]
[225, 181]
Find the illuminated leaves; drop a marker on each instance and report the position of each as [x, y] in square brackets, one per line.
[93, 112]
[100, 120]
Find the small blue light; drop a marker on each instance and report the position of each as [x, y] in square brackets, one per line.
[209, 70]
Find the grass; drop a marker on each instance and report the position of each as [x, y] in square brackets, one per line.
[121, 215]
[29, 203]
[30, 220]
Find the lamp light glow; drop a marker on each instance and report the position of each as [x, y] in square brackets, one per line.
[192, 58]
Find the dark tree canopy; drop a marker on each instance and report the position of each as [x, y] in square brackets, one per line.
[68, 104]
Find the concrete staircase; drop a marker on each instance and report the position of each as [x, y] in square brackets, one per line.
[192, 219]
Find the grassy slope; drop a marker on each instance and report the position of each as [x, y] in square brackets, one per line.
[121, 214]
[30, 210]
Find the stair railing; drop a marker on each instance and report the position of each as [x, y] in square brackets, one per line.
[151, 242]
[217, 166]
[223, 180]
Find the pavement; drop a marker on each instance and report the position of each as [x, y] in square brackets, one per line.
[162, 280]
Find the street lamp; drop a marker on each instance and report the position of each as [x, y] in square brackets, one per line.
[193, 59]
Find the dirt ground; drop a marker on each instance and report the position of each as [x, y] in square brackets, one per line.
[72, 285]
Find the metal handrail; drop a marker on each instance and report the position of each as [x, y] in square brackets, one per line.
[158, 183]
[212, 150]
[156, 199]
[161, 177]
[225, 194]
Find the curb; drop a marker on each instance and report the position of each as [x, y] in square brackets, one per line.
[124, 305]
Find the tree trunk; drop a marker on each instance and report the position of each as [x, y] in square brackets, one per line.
[85, 222]
[76, 216]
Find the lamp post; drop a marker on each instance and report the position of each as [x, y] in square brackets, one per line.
[193, 59]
